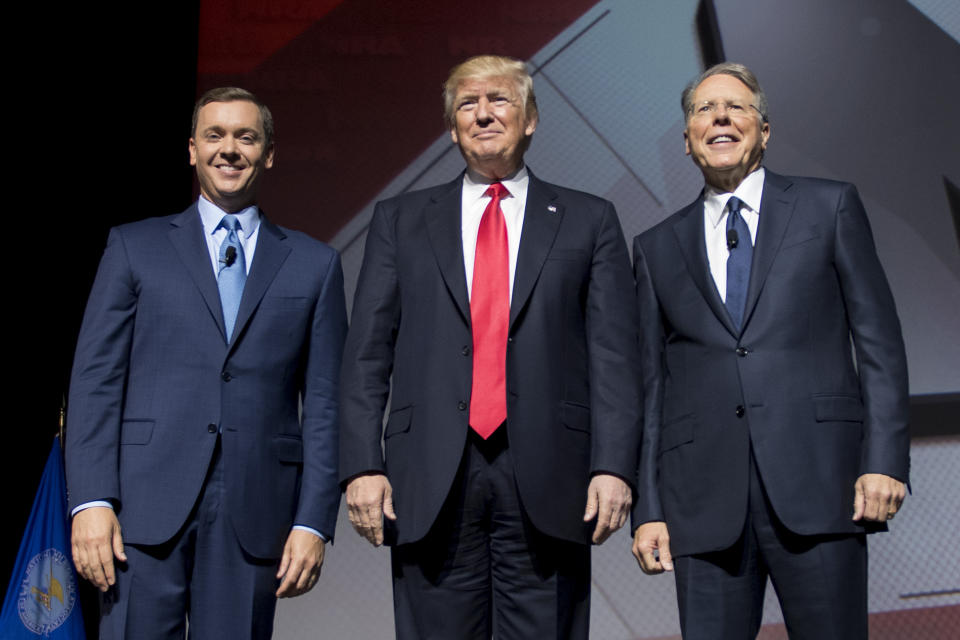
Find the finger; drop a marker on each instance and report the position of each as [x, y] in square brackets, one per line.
[287, 586]
[105, 554]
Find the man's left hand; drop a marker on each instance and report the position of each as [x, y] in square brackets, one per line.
[878, 497]
[301, 562]
[608, 500]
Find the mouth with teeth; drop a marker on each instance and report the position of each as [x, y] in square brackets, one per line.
[720, 139]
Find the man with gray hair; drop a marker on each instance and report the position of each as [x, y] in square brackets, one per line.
[496, 311]
[767, 450]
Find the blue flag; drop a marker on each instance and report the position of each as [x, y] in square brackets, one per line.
[41, 600]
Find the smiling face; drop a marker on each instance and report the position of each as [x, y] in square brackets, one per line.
[727, 143]
[490, 126]
[228, 150]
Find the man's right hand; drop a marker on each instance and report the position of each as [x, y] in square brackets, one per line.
[650, 537]
[96, 540]
[369, 500]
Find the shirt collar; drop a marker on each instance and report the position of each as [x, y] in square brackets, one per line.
[750, 192]
[211, 215]
[474, 185]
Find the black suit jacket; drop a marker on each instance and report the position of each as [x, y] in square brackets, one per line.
[787, 384]
[572, 376]
[154, 379]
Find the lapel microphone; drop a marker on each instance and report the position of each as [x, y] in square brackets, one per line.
[732, 241]
[230, 255]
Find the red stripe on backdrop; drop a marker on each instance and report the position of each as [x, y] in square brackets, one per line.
[355, 85]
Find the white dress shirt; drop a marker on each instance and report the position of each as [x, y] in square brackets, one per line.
[472, 205]
[750, 192]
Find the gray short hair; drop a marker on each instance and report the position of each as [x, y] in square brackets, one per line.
[738, 71]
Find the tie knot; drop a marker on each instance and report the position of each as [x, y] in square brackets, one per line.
[733, 207]
[230, 222]
[496, 190]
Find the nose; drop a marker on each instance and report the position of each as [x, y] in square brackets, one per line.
[228, 146]
[483, 111]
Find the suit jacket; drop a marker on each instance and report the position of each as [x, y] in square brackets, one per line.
[572, 378]
[786, 384]
[154, 379]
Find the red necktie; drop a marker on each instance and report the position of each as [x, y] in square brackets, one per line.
[490, 318]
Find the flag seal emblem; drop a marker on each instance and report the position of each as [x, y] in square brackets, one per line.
[48, 592]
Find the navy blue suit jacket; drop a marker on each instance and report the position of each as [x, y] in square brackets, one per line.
[816, 418]
[573, 405]
[154, 379]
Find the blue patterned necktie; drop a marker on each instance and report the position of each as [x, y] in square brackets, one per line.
[738, 262]
[232, 274]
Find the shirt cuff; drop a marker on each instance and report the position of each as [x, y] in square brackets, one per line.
[301, 528]
[86, 505]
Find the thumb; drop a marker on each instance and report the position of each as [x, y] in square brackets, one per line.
[859, 502]
[388, 505]
[118, 545]
[666, 558]
[591, 511]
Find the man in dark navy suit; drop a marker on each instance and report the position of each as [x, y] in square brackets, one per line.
[768, 450]
[498, 311]
[202, 440]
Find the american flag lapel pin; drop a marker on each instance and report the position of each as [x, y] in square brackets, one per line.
[552, 208]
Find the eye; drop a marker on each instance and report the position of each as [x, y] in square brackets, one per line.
[212, 137]
[500, 101]
[736, 107]
[466, 105]
[705, 107]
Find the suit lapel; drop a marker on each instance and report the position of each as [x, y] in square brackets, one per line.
[187, 238]
[776, 209]
[271, 252]
[689, 232]
[444, 232]
[541, 221]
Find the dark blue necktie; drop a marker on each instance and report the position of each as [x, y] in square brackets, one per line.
[740, 247]
[233, 272]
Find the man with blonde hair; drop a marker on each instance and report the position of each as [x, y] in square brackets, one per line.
[501, 307]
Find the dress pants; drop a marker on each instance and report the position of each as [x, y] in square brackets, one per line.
[820, 581]
[201, 575]
[483, 570]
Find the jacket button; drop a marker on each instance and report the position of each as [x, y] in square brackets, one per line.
[226, 376]
[462, 405]
[740, 411]
[211, 428]
[465, 351]
[742, 352]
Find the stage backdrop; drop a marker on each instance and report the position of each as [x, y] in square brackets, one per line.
[859, 90]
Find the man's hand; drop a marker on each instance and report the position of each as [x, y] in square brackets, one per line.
[609, 500]
[95, 541]
[300, 564]
[878, 497]
[369, 500]
[650, 537]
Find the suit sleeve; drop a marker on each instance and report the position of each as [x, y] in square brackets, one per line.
[98, 379]
[878, 342]
[320, 491]
[611, 326]
[369, 352]
[647, 507]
